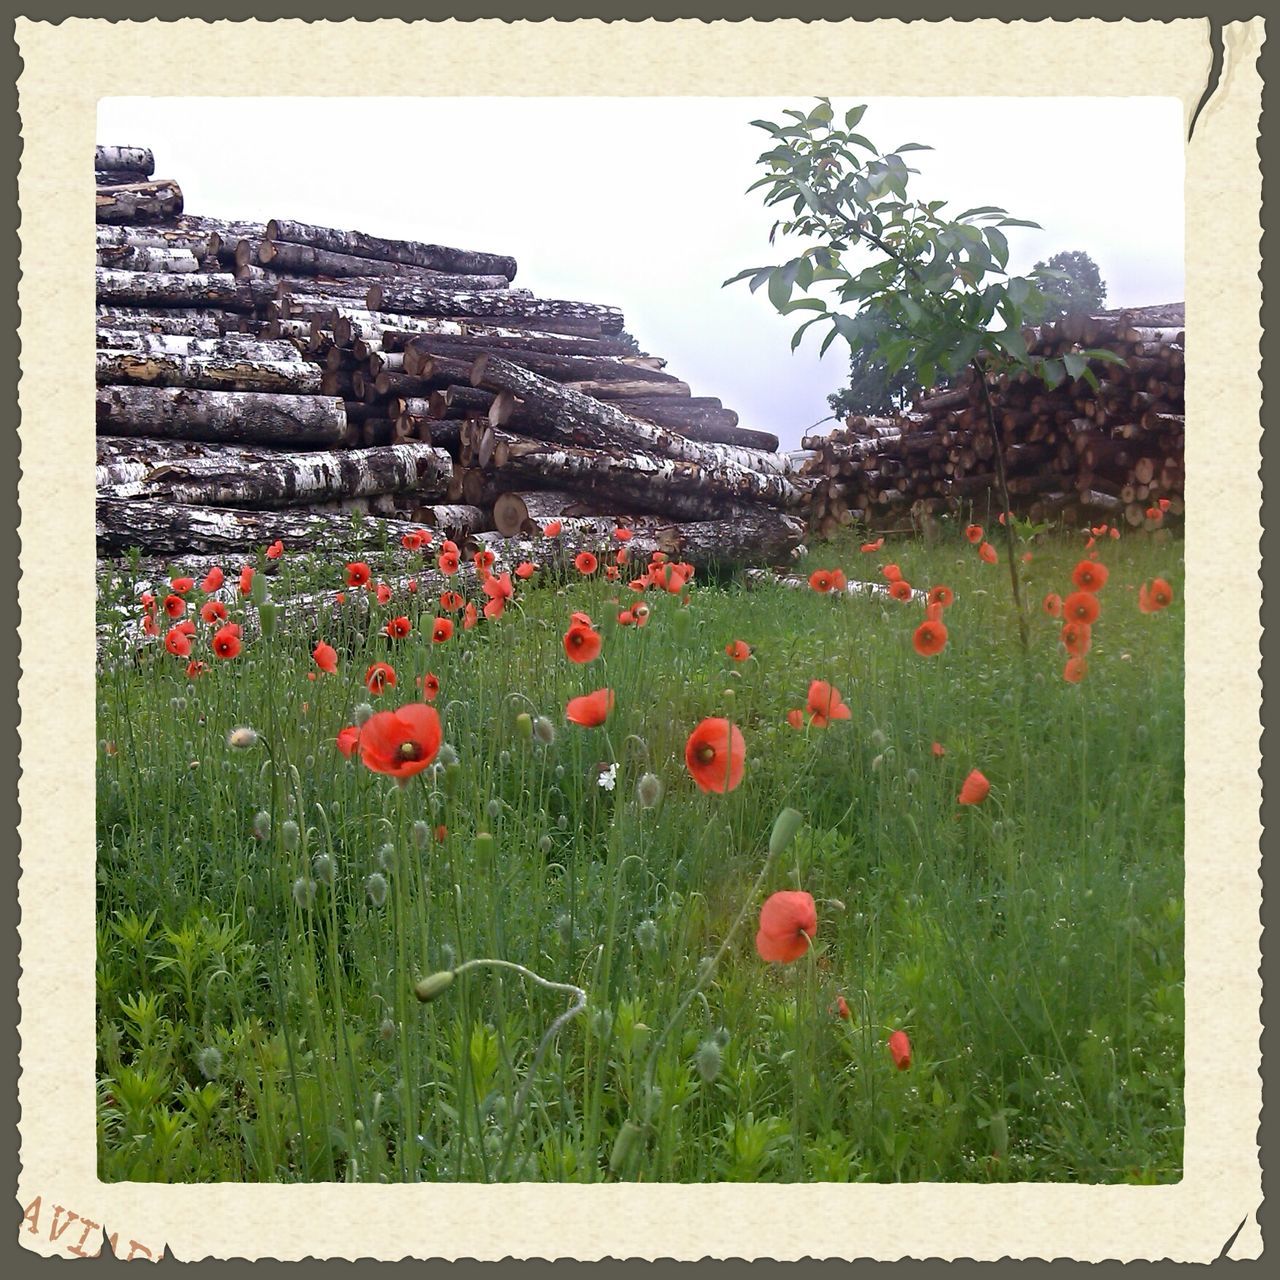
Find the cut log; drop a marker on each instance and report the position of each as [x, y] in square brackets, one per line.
[255, 479]
[496, 338]
[153, 237]
[233, 416]
[120, 177]
[559, 368]
[148, 289]
[526, 513]
[233, 372]
[393, 296]
[138, 202]
[630, 389]
[308, 260]
[194, 322]
[129, 258]
[410, 253]
[229, 345]
[569, 416]
[130, 159]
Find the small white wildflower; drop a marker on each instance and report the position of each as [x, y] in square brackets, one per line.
[608, 777]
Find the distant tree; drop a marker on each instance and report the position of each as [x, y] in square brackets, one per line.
[1078, 288]
[632, 347]
[873, 390]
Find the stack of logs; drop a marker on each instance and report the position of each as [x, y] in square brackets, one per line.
[264, 380]
[1074, 452]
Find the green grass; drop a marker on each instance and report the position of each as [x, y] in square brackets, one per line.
[256, 1008]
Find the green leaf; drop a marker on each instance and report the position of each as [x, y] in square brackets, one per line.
[765, 124]
[999, 246]
[857, 140]
[1019, 290]
[915, 146]
[1076, 364]
[799, 333]
[742, 275]
[780, 289]
[803, 304]
[979, 210]
[853, 116]
[1052, 373]
[1020, 222]
[761, 277]
[827, 341]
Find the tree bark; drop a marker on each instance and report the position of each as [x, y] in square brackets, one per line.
[147, 289]
[560, 368]
[194, 322]
[308, 260]
[130, 159]
[233, 372]
[523, 514]
[287, 480]
[233, 416]
[630, 389]
[120, 178]
[409, 253]
[569, 416]
[139, 202]
[513, 305]
[225, 346]
[153, 237]
[700, 419]
[131, 258]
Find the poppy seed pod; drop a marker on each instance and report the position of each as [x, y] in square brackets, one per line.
[434, 985]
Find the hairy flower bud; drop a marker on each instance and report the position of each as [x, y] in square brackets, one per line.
[322, 868]
[304, 892]
[435, 984]
[361, 712]
[649, 790]
[242, 737]
[375, 887]
[544, 731]
[290, 834]
[707, 1060]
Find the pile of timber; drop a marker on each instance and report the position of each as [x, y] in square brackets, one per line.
[257, 380]
[1075, 452]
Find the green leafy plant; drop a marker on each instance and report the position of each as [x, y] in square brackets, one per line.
[904, 283]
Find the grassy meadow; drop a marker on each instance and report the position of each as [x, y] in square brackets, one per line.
[267, 904]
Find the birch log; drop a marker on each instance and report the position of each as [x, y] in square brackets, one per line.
[131, 159]
[292, 479]
[409, 253]
[232, 372]
[510, 306]
[559, 368]
[308, 260]
[492, 337]
[154, 237]
[146, 258]
[232, 416]
[120, 178]
[147, 289]
[140, 202]
[226, 346]
[194, 321]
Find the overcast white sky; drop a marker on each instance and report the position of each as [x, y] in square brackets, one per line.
[640, 202]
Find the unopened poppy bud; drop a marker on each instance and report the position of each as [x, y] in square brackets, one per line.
[876, 763]
[447, 755]
[261, 824]
[209, 1061]
[729, 696]
[241, 738]
[649, 790]
[494, 808]
[524, 726]
[786, 826]
[289, 834]
[434, 985]
[647, 935]
[258, 588]
[563, 927]
[721, 1036]
[878, 739]
[387, 1029]
[304, 892]
[375, 886]
[322, 868]
[267, 618]
[562, 823]
[452, 777]
[421, 834]
[504, 758]
[912, 777]
[484, 844]
[707, 1060]
[361, 712]
[544, 844]
[544, 730]
[386, 856]
[626, 1147]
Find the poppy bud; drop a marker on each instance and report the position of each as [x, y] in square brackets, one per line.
[387, 1030]
[421, 834]
[484, 844]
[289, 834]
[258, 589]
[267, 617]
[524, 726]
[304, 892]
[261, 824]
[322, 868]
[452, 777]
[647, 935]
[375, 886]
[649, 790]
[544, 844]
[626, 1147]
[785, 828]
[707, 1060]
[494, 809]
[209, 1061]
[434, 985]
[544, 731]
[730, 696]
[386, 856]
[241, 738]
[361, 712]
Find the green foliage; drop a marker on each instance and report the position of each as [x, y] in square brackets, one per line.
[1071, 284]
[904, 284]
[874, 391]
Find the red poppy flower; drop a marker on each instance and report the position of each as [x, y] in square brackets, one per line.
[641, 614]
[942, 595]
[973, 532]
[483, 561]
[358, 574]
[1089, 575]
[212, 580]
[581, 643]
[591, 709]
[401, 743]
[1154, 513]
[1154, 596]
[891, 572]
[900, 589]
[975, 788]
[868, 547]
[987, 553]
[379, 675]
[621, 556]
[626, 618]
[246, 580]
[383, 593]
[398, 628]
[716, 755]
[347, 739]
[148, 601]
[825, 704]
[552, 529]
[526, 570]
[468, 617]
[1076, 638]
[430, 686]
[213, 611]
[795, 718]
[149, 625]
[821, 580]
[930, 639]
[412, 541]
[196, 668]
[585, 562]
[738, 650]
[175, 606]
[1115, 533]
[788, 926]
[188, 628]
[611, 572]
[1052, 605]
[672, 577]
[226, 641]
[441, 630]
[622, 535]
[182, 585]
[1081, 606]
[900, 1048]
[447, 561]
[326, 658]
[1163, 504]
[451, 601]
[178, 643]
[499, 588]
[275, 550]
[938, 749]
[1075, 670]
[933, 613]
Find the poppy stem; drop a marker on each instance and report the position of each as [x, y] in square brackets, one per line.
[1004, 499]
